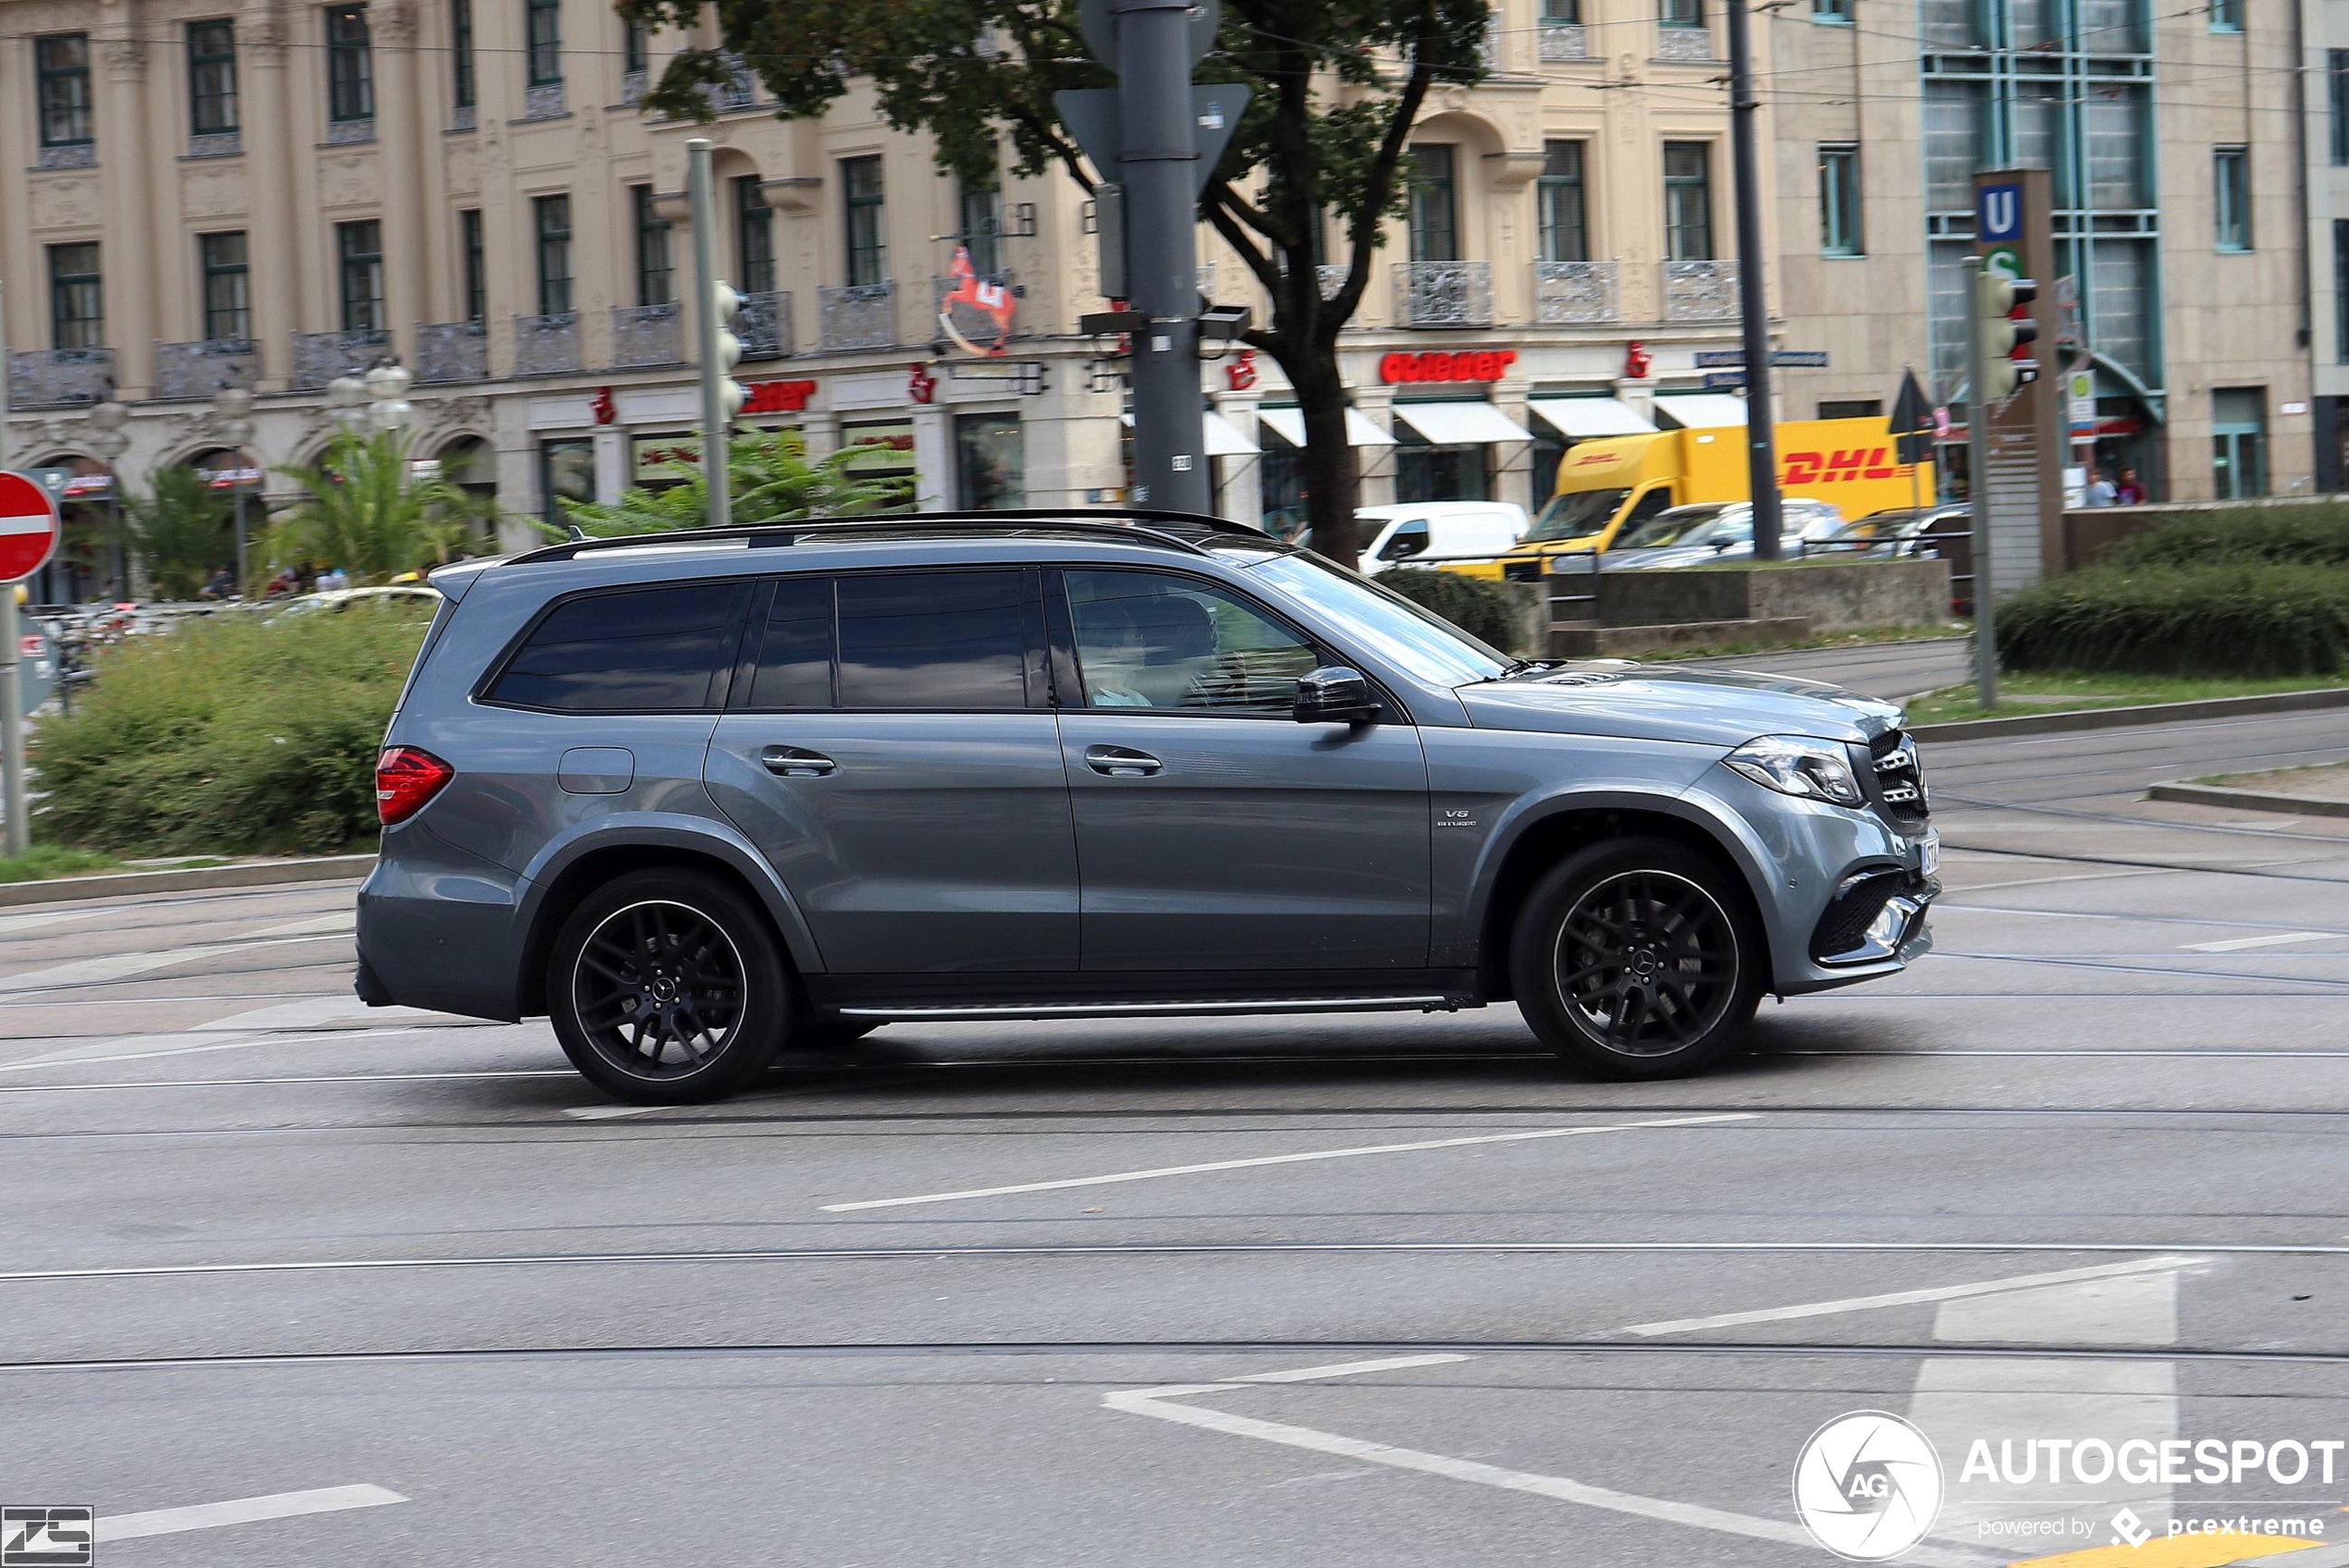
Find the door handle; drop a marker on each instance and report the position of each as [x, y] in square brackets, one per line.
[1120, 762]
[793, 762]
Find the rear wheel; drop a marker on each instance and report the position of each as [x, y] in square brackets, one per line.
[667, 988]
[1638, 959]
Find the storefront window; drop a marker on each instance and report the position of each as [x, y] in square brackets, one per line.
[2239, 442]
[566, 473]
[1282, 479]
[991, 463]
[1427, 473]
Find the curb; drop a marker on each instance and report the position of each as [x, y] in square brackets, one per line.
[2247, 800]
[249, 874]
[2143, 713]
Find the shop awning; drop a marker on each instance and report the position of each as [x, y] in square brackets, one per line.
[1701, 410]
[1578, 418]
[1289, 425]
[1224, 437]
[1461, 424]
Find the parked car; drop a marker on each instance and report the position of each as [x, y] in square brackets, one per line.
[1436, 532]
[694, 797]
[1714, 532]
[1944, 531]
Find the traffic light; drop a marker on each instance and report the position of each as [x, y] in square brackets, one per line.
[2002, 317]
[724, 306]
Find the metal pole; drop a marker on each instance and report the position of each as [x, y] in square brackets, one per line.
[1753, 309]
[15, 834]
[1161, 216]
[1977, 445]
[706, 328]
[244, 584]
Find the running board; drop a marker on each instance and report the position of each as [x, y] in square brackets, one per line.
[977, 1012]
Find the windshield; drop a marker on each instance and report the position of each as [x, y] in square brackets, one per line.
[1575, 513]
[1678, 526]
[1388, 624]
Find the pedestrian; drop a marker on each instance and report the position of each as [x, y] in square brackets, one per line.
[2101, 491]
[2132, 491]
[222, 584]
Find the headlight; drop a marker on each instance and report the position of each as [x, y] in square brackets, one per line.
[1818, 770]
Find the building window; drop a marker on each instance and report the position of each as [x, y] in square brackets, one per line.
[2341, 290]
[1683, 13]
[475, 264]
[990, 464]
[1831, 10]
[1562, 10]
[359, 257]
[1428, 473]
[351, 65]
[545, 38]
[212, 77]
[566, 473]
[860, 181]
[655, 279]
[1851, 408]
[2226, 15]
[1688, 201]
[754, 238]
[62, 64]
[552, 225]
[1435, 230]
[460, 52]
[982, 231]
[2231, 196]
[1839, 200]
[2239, 442]
[1560, 197]
[227, 299]
[635, 47]
[77, 297]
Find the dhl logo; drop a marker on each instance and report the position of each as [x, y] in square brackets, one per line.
[1823, 468]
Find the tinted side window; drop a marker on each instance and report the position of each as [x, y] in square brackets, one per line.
[794, 667]
[1146, 639]
[649, 650]
[934, 640]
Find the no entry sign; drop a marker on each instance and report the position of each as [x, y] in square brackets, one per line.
[28, 527]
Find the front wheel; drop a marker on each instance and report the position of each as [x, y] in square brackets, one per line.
[1637, 959]
[667, 987]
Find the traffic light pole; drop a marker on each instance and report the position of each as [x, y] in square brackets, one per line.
[1753, 308]
[700, 205]
[15, 834]
[1161, 208]
[1978, 448]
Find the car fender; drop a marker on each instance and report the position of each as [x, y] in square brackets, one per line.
[716, 838]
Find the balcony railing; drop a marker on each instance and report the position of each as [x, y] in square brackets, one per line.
[215, 144]
[633, 85]
[976, 323]
[1443, 293]
[319, 357]
[1574, 293]
[450, 352]
[546, 345]
[545, 101]
[348, 133]
[72, 155]
[647, 335]
[861, 316]
[60, 378]
[740, 90]
[1700, 290]
[763, 325]
[198, 370]
[1564, 41]
[1685, 43]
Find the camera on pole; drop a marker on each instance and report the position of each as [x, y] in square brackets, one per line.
[2002, 318]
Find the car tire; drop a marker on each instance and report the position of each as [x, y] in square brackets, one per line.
[667, 987]
[832, 1034]
[1638, 958]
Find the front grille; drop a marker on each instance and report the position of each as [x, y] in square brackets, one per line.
[1844, 928]
[1897, 778]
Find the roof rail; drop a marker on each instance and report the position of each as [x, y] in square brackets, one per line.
[1133, 523]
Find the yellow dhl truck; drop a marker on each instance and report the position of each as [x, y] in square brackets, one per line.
[1606, 484]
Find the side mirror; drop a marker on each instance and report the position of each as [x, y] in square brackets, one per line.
[1334, 694]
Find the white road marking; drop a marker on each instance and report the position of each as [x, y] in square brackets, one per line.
[312, 1012]
[310, 1078]
[47, 917]
[242, 1510]
[178, 1045]
[608, 1112]
[1908, 1298]
[1153, 1403]
[1349, 1369]
[2236, 944]
[124, 966]
[1284, 1159]
[334, 923]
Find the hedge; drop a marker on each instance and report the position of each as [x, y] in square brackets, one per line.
[2316, 535]
[1481, 609]
[233, 734]
[2248, 618]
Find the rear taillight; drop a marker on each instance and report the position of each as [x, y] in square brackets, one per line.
[406, 781]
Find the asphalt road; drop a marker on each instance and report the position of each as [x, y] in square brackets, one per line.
[292, 1283]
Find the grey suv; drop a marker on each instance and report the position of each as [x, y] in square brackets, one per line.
[695, 795]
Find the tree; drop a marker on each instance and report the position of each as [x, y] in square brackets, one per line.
[177, 532]
[363, 512]
[769, 478]
[1337, 85]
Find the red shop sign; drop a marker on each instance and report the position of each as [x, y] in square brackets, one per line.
[776, 396]
[1467, 365]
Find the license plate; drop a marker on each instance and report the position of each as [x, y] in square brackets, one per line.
[1929, 856]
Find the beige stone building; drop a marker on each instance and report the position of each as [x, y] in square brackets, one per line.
[203, 193]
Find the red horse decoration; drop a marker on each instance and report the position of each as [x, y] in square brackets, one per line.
[991, 300]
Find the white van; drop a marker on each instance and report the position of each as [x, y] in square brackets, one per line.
[1439, 531]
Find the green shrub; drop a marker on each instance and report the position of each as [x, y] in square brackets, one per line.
[2309, 535]
[2244, 618]
[232, 734]
[1482, 609]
